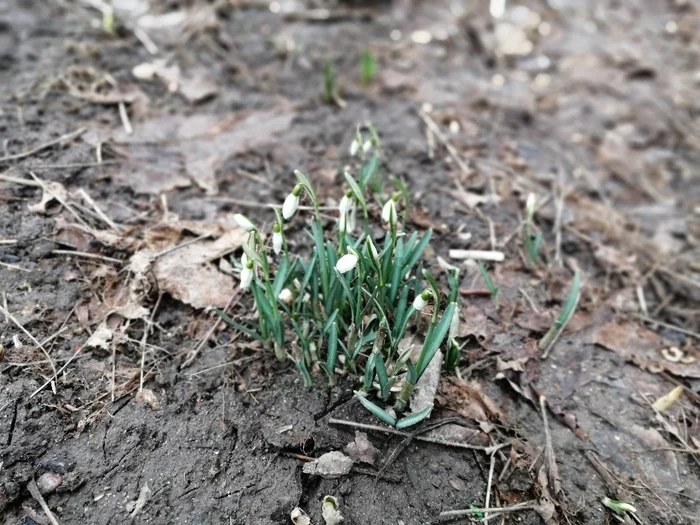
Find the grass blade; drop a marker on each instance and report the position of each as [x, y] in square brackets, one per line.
[380, 413]
[567, 312]
[238, 326]
[414, 419]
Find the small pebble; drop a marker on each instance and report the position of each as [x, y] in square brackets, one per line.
[48, 482]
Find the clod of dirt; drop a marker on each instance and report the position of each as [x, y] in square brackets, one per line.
[361, 450]
[147, 397]
[49, 481]
[330, 466]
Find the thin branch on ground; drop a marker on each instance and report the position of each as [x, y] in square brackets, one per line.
[88, 256]
[62, 138]
[387, 430]
[526, 505]
[34, 491]
[492, 464]
[14, 267]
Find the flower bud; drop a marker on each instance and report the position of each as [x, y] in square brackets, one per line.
[346, 263]
[285, 296]
[246, 272]
[277, 238]
[343, 222]
[372, 249]
[389, 212]
[367, 146]
[354, 147]
[345, 203]
[422, 299]
[291, 203]
[244, 222]
[454, 324]
[530, 205]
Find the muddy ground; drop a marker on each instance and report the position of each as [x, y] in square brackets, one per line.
[592, 106]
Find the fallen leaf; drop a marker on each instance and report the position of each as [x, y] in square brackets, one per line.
[644, 348]
[101, 337]
[427, 385]
[467, 399]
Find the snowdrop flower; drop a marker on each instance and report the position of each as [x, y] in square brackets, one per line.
[367, 146]
[343, 222]
[346, 263]
[530, 205]
[277, 238]
[345, 203]
[291, 203]
[389, 212]
[285, 296]
[454, 325]
[422, 299]
[372, 249]
[354, 146]
[246, 272]
[244, 222]
[619, 507]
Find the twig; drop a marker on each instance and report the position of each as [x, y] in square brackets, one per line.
[526, 505]
[6, 242]
[64, 203]
[195, 352]
[364, 426]
[88, 256]
[34, 491]
[124, 116]
[36, 342]
[59, 370]
[99, 212]
[14, 267]
[186, 243]
[466, 170]
[72, 165]
[146, 331]
[67, 136]
[669, 326]
[488, 483]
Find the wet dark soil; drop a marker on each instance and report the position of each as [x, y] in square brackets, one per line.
[595, 102]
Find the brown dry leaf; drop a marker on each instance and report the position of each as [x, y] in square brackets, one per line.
[644, 348]
[148, 397]
[171, 148]
[474, 322]
[361, 450]
[613, 259]
[467, 399]
[188, 273]
[459, 434]
[517, 365]
[80, 238]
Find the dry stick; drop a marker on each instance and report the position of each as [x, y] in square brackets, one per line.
[6, 242]
[67, 136]
[466, 170]
[34, 491]
[364, 426]
[71, 165]
[99, 212]
[148, 326]
[59, 370]
[549, 449]
[63, 202]
[4, 303]
[488, 483]
[36, 342]
[14, 267]
[526, 505]
[182, 245]
[88, 256]
[669, 326]
[195, 352]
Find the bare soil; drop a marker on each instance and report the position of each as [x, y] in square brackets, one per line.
[593, 106]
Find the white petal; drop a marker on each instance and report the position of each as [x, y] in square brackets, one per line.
[290, 206]
[246, 277]
[346, 263]
[373, 249]
[345, 204]
[419, 303]
[530, 204]
[352, 219]
[354, 146]
[389, 211]
[244, 222]
[367, 146]
[285, 296]
[343, 222]
[277, 242]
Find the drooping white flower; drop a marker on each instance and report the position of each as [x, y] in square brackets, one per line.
[389, 212]
[367, 146]
[454, 325]
[343, 222]
[354, 147]
[244, 222]
[345, 203]
[246, 272]
[291, 203]
[352, 219]
[422, 299]
[346, 263]
[285, 296]
[530, 205]
[277, 238]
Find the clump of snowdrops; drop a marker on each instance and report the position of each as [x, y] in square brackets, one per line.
[347, 308]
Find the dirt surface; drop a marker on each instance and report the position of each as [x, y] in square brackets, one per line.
[127, 401]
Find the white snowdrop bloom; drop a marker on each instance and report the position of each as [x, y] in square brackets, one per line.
[285, 296]
[244, 222]
[354, 147]
[373, 249]
[277, 241]
[367, 146]
[343, 222]
[389, 211]
[346, 263]
[291, 203]
[345, 203]
[421, 300]
[530, 205]
[246, 272]
[454, 325]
